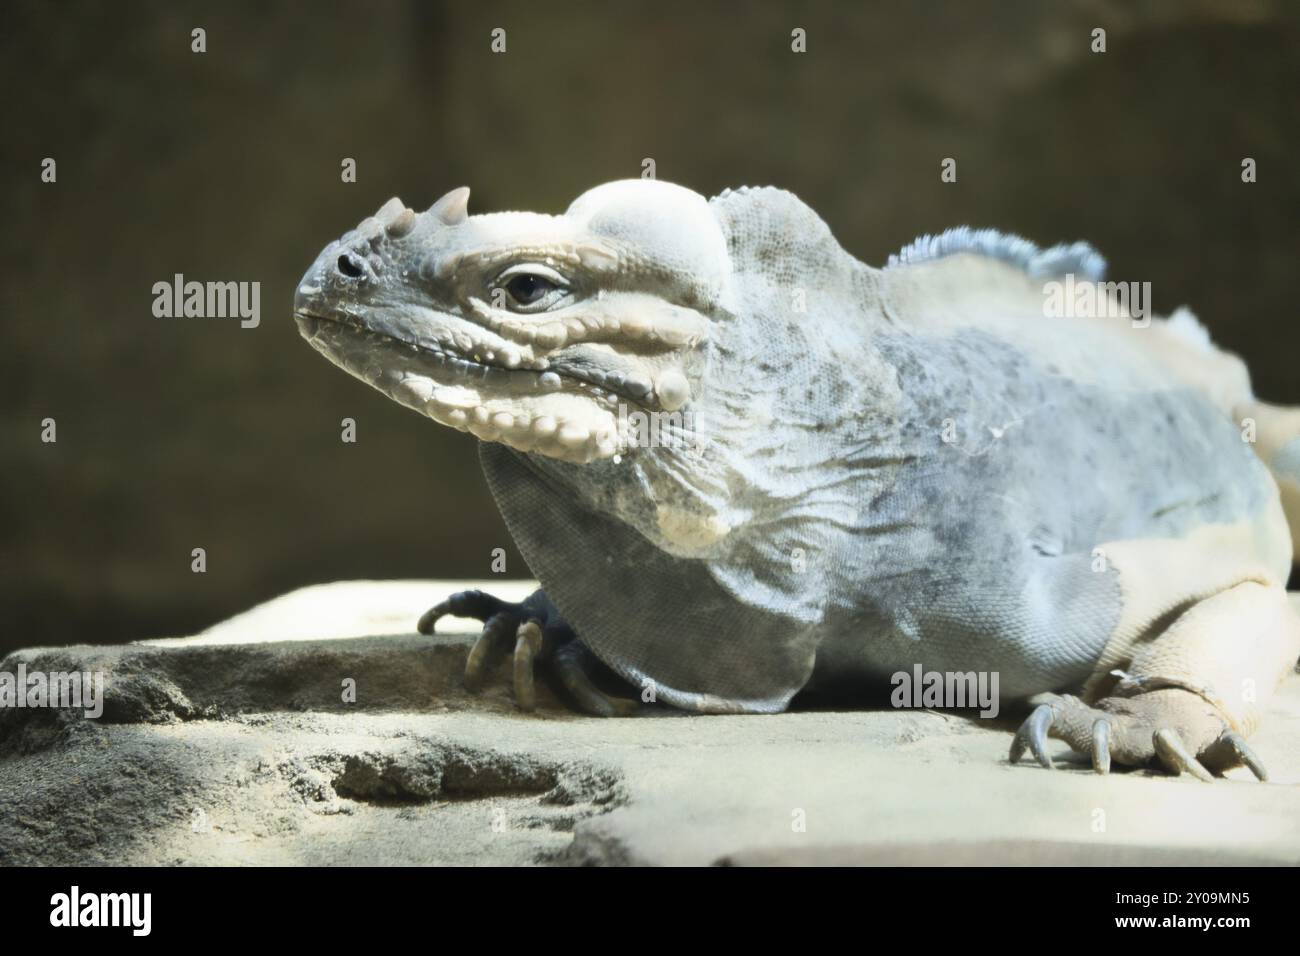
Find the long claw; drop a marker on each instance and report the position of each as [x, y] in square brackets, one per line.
[1033, 734]
[528, 641]
[429, 619]
[1101, 745]
[476, 663]
[1248, 756]
[487, 650]
[1174, 755]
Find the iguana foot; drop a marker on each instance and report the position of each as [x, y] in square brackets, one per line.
[1177, 727]
[534, 632]
[573, 664]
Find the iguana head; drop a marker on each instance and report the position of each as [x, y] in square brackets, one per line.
[540, 332]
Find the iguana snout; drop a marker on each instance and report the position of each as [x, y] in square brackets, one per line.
[541, 332]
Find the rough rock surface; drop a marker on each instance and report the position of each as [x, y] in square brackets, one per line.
[236, 746]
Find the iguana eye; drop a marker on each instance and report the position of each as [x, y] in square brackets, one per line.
[527, 289]
[531, 288]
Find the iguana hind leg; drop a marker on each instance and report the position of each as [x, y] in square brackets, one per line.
[1189, 697]
[534, 633]
[1176, 727]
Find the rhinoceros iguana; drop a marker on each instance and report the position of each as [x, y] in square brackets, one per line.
[742, 463]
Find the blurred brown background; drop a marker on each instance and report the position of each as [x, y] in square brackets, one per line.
[176, 434]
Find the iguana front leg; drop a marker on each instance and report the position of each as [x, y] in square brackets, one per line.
[1191, 696]
[536, 633]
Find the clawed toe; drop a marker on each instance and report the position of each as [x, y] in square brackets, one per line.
[1033, 735]
[1172, 727]
[1231, 749]
[1036, 729]
[530, 633]
[1101, 745]
[506, 626]
[475, 604]
[1173, 753]
[490, 648]
[528, 642]
[429, 619]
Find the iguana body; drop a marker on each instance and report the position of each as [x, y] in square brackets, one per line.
[857, 470]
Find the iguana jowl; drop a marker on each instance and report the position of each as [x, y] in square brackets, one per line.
[855, 469]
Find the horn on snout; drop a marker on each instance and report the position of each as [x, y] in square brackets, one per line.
[453, 208]
[396, 218]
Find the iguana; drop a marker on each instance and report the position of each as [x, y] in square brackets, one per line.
[742, 463]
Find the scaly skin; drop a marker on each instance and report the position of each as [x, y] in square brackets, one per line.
[483, 328]
[820, 385]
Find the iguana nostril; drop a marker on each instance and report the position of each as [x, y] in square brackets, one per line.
[350, 265]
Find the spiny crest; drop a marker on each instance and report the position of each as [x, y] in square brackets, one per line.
[1079, 258]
